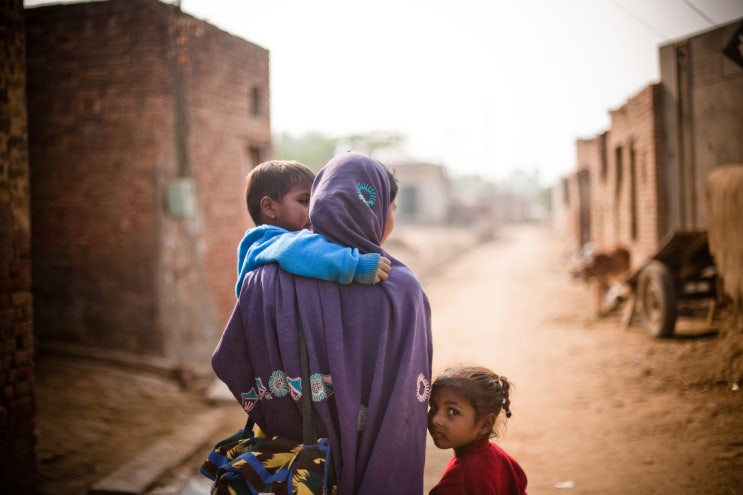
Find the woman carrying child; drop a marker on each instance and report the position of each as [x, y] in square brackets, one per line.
[369, 346]
[277, 193]
[468, 405]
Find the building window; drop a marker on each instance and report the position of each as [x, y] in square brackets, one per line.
[255, 101]
[565, 192]
[619, 171]
[633, 191]
[408, 202]
[604, 160]
[584, 205]
[256, 156]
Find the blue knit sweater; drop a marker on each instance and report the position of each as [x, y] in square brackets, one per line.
[303, 253]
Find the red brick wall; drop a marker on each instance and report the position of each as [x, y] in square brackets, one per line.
[223, 73]
[101, 139]
[633, 140]
[589, 154]
[126, 99]
[626, 200]
[17, 405]
[676, 133]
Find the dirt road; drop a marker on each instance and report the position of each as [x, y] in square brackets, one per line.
[597, 408]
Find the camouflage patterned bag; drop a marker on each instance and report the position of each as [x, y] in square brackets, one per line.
[244, 464]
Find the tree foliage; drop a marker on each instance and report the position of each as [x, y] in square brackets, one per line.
[314, 149]
[373, 143]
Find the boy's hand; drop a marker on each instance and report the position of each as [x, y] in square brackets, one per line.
[383, 269]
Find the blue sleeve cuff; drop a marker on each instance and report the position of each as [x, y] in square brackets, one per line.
[366, 270]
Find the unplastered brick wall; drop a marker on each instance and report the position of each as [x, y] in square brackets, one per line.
[633, 190]
[17, 405]
[227, 88]
[589, 155]
[101, 139]
[669, 138]
[571, 205]
[623, 164]
[129, 101]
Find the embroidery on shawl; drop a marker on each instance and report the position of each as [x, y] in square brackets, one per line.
[366, 193]
[423, 388]
[277, 383]
[321, 386]
[261, 389]
[280, 384]
[249, 399]
[295, 387]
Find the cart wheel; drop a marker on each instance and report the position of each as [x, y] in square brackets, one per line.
[657, 297]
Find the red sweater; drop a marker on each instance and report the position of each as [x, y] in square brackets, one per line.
[482, 468]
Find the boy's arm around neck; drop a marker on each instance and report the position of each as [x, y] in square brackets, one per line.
[306, 254]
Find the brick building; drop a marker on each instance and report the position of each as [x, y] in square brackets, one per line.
[142, 124]
[17, 405]
[702, 82]
[577, 191]
[645, 176]
[616, 188]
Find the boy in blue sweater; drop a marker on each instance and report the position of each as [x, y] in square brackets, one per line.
[278, 197]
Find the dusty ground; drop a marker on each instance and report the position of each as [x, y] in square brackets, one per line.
[597, 409]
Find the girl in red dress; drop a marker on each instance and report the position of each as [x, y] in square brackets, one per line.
[465, 406]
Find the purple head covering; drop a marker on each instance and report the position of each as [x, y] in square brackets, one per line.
[369, 346]
[350, 201]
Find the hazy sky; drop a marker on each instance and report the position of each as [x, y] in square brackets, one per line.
[479, 86]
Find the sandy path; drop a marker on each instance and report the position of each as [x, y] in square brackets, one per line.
[611, 410]
[587, 407]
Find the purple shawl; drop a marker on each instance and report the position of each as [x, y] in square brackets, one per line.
[369, 345]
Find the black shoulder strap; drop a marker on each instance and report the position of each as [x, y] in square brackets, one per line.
[308, 422]
[309, 437]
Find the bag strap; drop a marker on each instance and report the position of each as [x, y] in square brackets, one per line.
[309, 435]
[308, 422]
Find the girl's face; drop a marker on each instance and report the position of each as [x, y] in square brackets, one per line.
[293, 211]
[451, 420]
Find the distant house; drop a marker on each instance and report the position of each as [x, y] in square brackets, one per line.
[572, 199]
[424, 195]
[142, 124]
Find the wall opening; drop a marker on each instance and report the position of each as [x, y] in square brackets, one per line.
[255, 101]
[633, 191]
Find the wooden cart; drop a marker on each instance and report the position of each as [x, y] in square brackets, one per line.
[680, 279]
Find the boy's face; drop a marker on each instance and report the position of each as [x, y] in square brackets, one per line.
[451, 420]
[293, 211]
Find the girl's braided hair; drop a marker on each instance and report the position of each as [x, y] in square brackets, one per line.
[487, 391]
